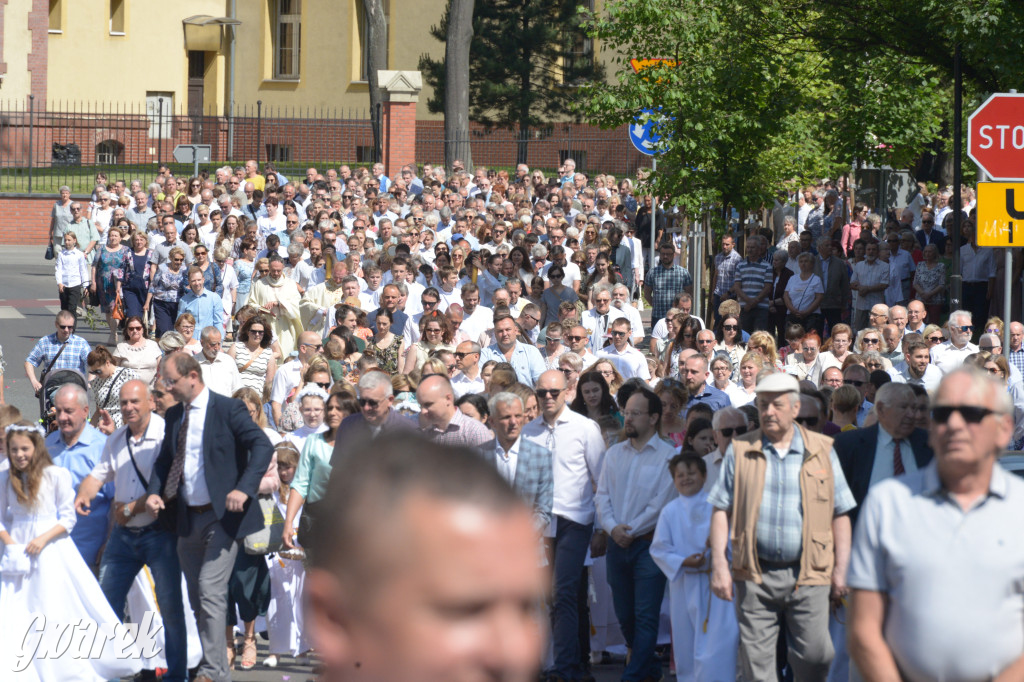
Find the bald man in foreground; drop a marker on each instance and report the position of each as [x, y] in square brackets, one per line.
[445, 586]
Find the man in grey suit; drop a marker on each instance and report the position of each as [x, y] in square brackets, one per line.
[376, 398]
[523, 463]
[836, 279]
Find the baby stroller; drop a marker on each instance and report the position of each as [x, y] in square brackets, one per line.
[52, 382]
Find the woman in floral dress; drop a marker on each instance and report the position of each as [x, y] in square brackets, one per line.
[107, 274]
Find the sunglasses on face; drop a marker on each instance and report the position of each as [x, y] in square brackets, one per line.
[66, 327]
[256, 331]
[854, 382]
[324, 385]
[935, 339]
[548, 392]
[135, 329]
[730, 327]
[807, 421]
[966, 328]
[970, 413]
[871, 341]
[730, 430]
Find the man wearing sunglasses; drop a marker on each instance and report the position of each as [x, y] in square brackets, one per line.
[376, 413]
[950, 355]
[951, 525]
[727, 423]
[577, 449]
[61, 350]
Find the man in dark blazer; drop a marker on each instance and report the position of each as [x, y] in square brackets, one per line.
[210, 465]
[529, 470]
[929, 234]
[376, 414]
[835, 277]
[868, 455]
[621, 255]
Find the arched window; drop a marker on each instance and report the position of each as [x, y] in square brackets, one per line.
[108, 152]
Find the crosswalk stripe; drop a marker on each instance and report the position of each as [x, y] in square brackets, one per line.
[9, 313]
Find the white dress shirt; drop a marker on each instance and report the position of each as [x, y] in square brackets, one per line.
[713, 460]
[115, 465]
[599, 325]
[577, 453]
[462, 385]
[195, 492]
[478, 323]
[629, 362]
[884, 457]
[220, 375]
[634, 485]
[948, 357]
[506, 461]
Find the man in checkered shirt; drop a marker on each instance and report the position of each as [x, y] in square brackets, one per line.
[74, 356]
[665, 282]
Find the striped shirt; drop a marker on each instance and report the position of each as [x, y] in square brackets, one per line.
[753, 277]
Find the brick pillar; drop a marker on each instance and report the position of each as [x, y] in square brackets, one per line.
[400, 91]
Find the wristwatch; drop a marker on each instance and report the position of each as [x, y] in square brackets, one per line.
[126, 510]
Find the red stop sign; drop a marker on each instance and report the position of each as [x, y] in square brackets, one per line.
[995, 136]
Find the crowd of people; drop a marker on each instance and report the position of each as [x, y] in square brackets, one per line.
[263, 330]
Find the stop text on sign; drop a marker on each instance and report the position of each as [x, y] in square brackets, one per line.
[990, 133]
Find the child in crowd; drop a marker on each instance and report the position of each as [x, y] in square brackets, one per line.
[704, 630]
[43, 575]
[72, 272]
[287, 574]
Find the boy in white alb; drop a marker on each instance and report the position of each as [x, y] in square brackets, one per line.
[705, 635]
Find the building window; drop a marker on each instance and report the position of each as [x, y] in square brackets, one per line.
[287, 38]
[364, 40]
[579, 54]
[108, 152]
[117, 17]
[281, 153]
[56, 25]
[160, 117]
[364, 153]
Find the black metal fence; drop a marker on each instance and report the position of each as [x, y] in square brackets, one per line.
[43, 148]
[67, 144]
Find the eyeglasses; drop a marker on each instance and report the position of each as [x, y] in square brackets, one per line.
[317, 346]
[459, 356]
[970, 413]
[256, 331]
[966, 328]
[935, 339]
[548, 392]
[618, 334]
[135, 329]
[871, 341]
[566, 370]
[574, 338]
[854, 382]
[432, 331]
[927, 222]
[988, 348]
[730, 430]
[995, 370]
[730, 327]
[66, 327]
[369, 402]
[992, 331]
[807, 421]
[705, 340]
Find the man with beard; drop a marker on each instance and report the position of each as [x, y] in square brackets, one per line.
[279, 297]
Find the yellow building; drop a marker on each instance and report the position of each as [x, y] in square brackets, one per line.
[287, 53]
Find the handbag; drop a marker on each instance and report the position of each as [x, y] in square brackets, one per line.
[15, 561]
[118, 312]
[270, 538]
[48, 254]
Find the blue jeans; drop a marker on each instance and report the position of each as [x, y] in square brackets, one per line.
[127, 551]
[638, 588]
[571, 543]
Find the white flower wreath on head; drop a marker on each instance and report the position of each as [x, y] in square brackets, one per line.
[314, 390]
[26, 427]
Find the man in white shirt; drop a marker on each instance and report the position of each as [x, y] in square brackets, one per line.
[489, 280]
[627, 360]
[468, 379]
[598, 319]
[477, 319]
[916, 367]
[870, 280]
[578, 456]
[220, 372]
[135, 539]
[951, 354]
[578, 342]
[621, 300]
[631, 493]
[289, 375]
[916, 315]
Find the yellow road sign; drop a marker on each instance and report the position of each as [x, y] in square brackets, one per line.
[1001, 214]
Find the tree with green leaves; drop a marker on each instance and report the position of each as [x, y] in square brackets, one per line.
[527, 59]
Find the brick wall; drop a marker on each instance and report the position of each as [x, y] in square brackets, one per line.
[39, 25]
[25, 218]
[399, 136]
